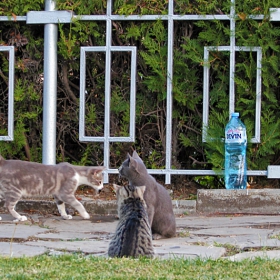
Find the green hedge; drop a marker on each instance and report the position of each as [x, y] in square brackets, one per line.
[150, 38]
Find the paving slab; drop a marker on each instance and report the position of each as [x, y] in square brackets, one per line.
[203, 236]
[189, 252]
[220, 221]
[232, 231]
[72, 236]
[252, 255]
[77, 224]
[242, 242]
[20, 231]
[94, 247]
[10, 249]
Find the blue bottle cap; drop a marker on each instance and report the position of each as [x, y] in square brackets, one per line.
[235, 114]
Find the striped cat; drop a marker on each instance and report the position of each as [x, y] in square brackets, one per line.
[133, 236]
[25, 179]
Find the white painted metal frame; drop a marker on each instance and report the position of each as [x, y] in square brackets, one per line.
[206, 75]
[106, 139]
[83, 92]
[10, 113]
[50, 17]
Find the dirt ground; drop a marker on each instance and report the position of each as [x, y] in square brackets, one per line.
[107, 193]
[185, 190]
[180, 190]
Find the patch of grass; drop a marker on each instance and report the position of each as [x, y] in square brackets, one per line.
[192, 197]
[276, 236]
[183, 233]
[75, 266]
[77, 239]
[230, 249]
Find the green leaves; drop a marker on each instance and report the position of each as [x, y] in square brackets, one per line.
[19, 7]
[263, 154]
[151, 40]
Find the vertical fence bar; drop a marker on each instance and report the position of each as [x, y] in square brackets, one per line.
[107, 89]
[169, 98]
[11, 94]
[205, 113]
[82, 93]
[232, 58]
[258, 96]
[50, 89]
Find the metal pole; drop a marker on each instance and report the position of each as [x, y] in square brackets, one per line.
[50, 89]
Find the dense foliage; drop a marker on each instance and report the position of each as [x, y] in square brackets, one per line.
[150, 37]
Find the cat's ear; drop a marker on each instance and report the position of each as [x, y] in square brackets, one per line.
[140, 191]
[96, 172]
[116, 187]
[135, 155]
[99, 169]
[128, 157]
[133, 163]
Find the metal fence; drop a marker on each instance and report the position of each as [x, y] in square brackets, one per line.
[50, 18]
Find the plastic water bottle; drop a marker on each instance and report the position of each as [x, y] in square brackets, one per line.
[235, 154]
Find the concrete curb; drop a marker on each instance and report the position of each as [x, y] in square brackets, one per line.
[93, 206]
[250, 201]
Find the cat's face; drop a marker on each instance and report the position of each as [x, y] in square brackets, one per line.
[95, 178]
[132, 167]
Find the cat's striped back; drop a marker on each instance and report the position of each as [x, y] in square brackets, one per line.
[133, 236]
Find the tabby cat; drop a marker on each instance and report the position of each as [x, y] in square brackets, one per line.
[24, 179]
[133, 236]
[158, 200]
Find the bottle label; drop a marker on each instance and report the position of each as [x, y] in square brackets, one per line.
[235, 135]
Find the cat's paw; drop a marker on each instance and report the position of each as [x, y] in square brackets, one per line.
[157, 236]
[86, 216]
[20, 219]
[67, 217]
[0, 218]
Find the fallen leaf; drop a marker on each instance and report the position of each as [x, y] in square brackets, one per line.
[242, 16]
[14, 16]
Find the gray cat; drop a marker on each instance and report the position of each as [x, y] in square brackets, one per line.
[159, 204]
[24, 179]
[133, 236]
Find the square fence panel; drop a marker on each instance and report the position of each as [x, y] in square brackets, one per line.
[82, 136]
[10, 113]
[206, 75]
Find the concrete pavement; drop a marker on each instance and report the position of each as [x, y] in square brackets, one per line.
[233, 224]
[206, 236]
